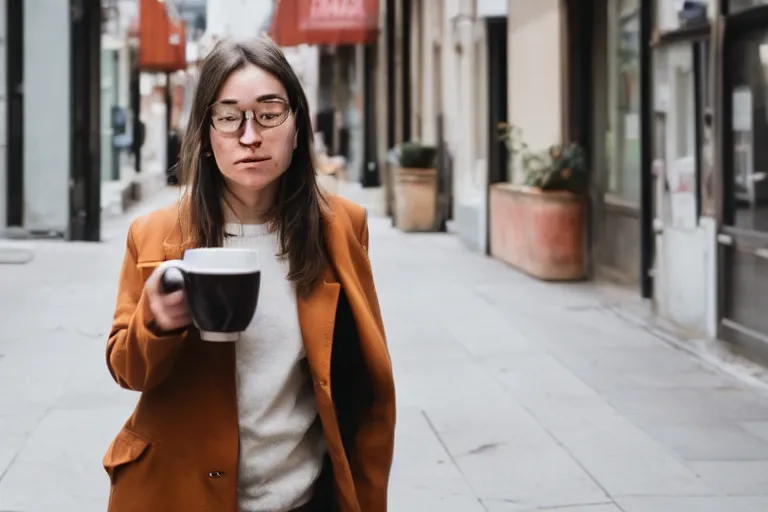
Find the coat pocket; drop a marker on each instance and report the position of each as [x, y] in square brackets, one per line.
[126, 448]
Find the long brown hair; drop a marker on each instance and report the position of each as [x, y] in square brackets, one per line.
[299, 204]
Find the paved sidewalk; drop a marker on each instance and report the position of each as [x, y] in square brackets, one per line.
[514, 395]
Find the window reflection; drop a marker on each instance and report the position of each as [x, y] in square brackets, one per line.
[677, 151]
[623, 133]
[748, 67]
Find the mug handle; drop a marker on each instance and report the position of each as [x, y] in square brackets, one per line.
[172, 273]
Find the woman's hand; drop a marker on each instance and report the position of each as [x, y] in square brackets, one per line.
[169, 310]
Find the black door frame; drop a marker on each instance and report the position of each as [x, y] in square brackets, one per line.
[85, 120]
[15, 117]
[496, 30]
[647, 235]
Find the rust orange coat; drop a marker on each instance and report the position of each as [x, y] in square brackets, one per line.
[179, 449]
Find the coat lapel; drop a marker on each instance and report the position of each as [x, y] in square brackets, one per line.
[174, 244]
[317, 314]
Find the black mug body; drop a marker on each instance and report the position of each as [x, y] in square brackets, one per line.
[222, 303]
[221, 289]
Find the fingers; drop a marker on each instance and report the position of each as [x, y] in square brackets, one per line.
[173, 304]
[169, 310]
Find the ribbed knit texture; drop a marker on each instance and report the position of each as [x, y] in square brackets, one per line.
[281, 439]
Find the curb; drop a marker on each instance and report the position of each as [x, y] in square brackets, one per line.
[713, 353]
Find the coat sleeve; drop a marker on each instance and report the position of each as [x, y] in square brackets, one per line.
[371, 458]
[138, 356]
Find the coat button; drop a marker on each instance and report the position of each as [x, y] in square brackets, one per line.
[215, 474]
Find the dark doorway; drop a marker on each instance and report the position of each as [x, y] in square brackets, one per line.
[15, 120]
[497, 109]
[391, 27]
[405, 66]
[85, 73]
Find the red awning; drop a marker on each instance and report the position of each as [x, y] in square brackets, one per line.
[326, 22]
[162, 38]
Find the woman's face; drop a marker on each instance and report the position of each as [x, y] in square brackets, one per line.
[253, 132]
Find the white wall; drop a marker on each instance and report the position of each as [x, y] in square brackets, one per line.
[489, 8]
[535, 71]
[239, 19]
[686, 290]
[46, 115]
[426, 85]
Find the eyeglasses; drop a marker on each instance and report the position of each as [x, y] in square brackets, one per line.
[230, 119]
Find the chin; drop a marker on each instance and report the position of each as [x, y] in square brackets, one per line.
[253, 180]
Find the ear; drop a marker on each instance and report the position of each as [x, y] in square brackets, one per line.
[295, 139]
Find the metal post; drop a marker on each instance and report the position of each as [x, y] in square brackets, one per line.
[170, 153]
[646, 137]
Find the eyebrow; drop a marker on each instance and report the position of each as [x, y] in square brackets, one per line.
[261, 99]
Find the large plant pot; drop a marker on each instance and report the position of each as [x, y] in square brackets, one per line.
[415, 195]
[541, 233]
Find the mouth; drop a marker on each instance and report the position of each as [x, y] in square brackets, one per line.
[252, 160]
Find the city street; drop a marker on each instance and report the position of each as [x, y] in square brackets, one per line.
[513, 395]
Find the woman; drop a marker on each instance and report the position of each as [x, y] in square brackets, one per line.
[299, 413]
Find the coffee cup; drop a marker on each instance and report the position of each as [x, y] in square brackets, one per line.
[221, 288]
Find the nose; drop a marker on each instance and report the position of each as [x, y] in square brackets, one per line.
[251, 135]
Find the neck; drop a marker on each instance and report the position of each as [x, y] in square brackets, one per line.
[248, 207]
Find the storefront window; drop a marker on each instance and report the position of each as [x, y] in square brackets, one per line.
[622, 141]
[748, 67]
[676, 148]
[735, 6]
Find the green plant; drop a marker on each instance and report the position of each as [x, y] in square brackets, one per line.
[417, 155]
[556, 168]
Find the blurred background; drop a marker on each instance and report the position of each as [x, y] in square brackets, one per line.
[580, 183]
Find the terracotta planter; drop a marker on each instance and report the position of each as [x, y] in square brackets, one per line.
[540, 233]
[415, 197]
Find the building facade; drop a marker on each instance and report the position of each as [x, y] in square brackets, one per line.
[665, 101]
[51, 176]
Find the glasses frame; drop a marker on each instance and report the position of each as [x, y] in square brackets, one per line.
[247, 114]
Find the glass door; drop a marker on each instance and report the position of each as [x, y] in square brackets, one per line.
[744, 236]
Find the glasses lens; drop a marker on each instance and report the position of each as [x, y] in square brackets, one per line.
[272, 114]
[229, 118]
[226, 118]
